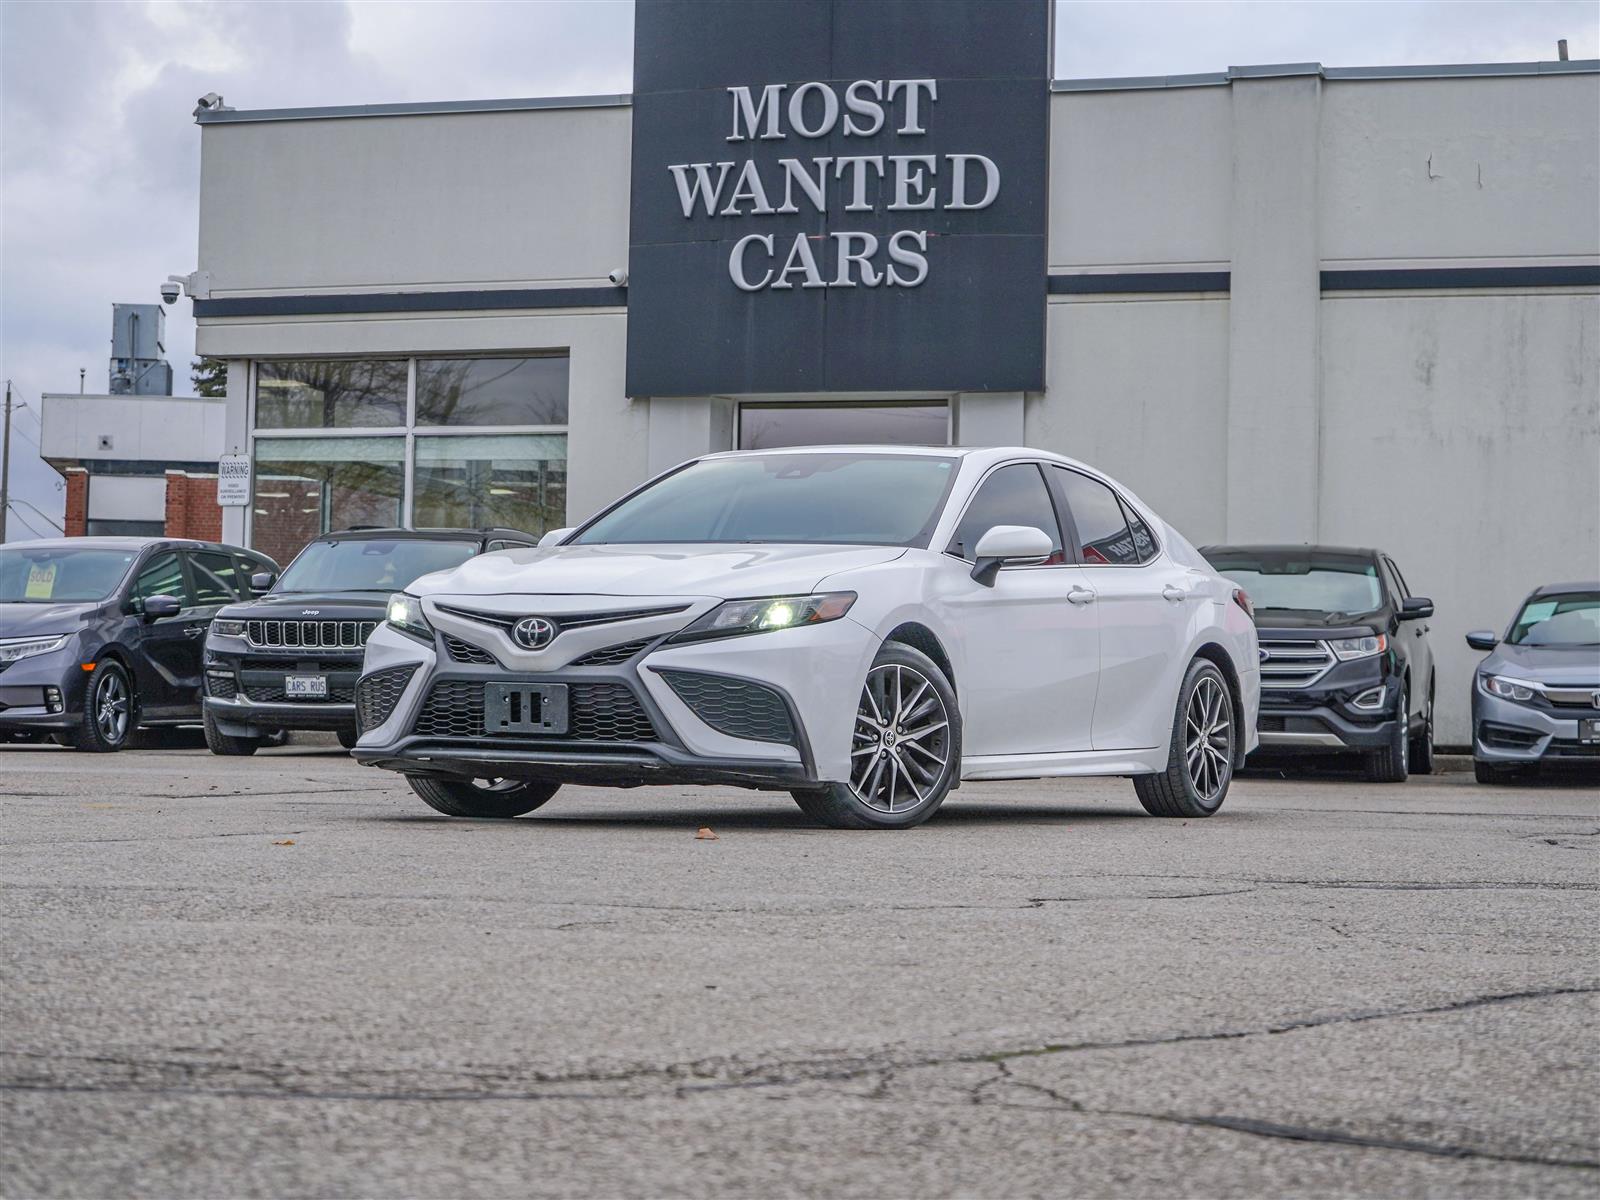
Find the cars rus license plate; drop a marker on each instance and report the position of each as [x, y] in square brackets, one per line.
[525, 708]
[305, 687]
[1589, 730]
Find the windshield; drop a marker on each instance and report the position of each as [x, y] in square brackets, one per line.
[369, 565]
[61, 575]
[837, 498]
[1568, 619]
[1334, 585]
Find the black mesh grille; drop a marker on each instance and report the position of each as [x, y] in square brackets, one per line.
[378, 693]
[596, 712]
[610, 656]
[272, 693]
[223, 687]
[736, 707]
[303, 665]
[466, 652]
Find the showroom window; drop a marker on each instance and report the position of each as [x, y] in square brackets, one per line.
[911, 423]
[407, 441]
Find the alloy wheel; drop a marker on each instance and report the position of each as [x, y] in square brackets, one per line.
[902, 740]
[111, 707]
[1208, 743]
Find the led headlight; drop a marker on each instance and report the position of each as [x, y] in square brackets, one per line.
[227, 628]
[1346, 649]
[772, 612]
[1508, 689]
[15, 648]
[405, 614]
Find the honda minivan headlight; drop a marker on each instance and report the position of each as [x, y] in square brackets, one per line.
[11, 651]
[762, 616]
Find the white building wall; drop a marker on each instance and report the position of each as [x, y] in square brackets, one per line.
[158, 429]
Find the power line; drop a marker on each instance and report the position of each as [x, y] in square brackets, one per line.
[43, 516]
[30, 526]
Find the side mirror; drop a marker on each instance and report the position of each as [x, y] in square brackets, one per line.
[262, 580]
[553, 538]
[1414, 608]
[1008, 544]
[1482, 639]
[158, 608]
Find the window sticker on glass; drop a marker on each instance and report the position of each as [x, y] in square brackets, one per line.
[41, 582]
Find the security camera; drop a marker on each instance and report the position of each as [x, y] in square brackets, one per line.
[618, 277]
[169, 293]
[209, 101]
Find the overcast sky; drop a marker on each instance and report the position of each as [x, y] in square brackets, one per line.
[99, 166]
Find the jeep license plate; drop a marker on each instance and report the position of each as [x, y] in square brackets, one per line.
[525, 708]
[305, 687]
[1589, 730]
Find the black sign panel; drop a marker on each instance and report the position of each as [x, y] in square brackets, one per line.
[838, 195]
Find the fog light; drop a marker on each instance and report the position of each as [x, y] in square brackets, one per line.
[52, 699]
[1371, 699]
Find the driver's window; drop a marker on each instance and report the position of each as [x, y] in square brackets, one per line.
[1012, 495]
[161, 576]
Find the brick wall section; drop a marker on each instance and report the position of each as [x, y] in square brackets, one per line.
[76, 522]
[192, 509]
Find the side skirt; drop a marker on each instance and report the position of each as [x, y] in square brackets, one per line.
[1077, 762]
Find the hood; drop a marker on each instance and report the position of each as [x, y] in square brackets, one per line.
[716, 571]
[30, 620]
[328, 606]
[1292, 626]
[1567, 665]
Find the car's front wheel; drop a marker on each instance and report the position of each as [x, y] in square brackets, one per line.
[905, 752]
[225, 743]
[110, 709]
[1391, 762]
[1200, 758]
[493, 798]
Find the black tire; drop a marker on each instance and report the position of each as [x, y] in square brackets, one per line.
[347, 738]
[931, 744]
[1422, 744]
[497, 799]
[110, 710]
[1201, 754]
[226, 744]
[1391, 763]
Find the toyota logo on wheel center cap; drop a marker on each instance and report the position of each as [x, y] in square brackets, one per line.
[534, 633]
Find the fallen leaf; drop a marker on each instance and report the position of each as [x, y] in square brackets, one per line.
[706, 835]
[288, 842]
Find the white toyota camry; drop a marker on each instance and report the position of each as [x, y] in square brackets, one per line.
[863, 627]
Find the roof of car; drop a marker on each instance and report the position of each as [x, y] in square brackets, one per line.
[1291, 548]
[923, 451]
[117, 543]
[434, 535]
[1551, 589]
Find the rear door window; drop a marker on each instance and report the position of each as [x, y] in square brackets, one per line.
[1104, 538]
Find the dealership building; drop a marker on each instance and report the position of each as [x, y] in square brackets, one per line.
[1281, 303]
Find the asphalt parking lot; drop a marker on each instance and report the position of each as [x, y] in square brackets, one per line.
[286, 976]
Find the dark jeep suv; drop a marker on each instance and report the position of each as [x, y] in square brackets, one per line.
[290, 659]
[102, 635]
[1345, 660]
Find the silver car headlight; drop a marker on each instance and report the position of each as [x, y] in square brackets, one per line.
[405, 614]
[15, 648]
[734, 617]
[1508, 689]
[1346, 649]
[224, 628]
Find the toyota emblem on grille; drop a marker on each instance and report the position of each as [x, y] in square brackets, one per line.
[534, 633]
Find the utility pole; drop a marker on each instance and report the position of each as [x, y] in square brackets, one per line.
[5, 466]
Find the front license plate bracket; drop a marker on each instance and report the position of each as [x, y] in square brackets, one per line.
[305, 687]
[525, 708]
[1589, 730]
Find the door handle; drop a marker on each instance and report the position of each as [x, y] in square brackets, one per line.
[193, 630]
[1174, 593]
[1080, 595]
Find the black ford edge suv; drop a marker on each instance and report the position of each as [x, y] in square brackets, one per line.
[1345, 660]
[102, 635]
[290, 659]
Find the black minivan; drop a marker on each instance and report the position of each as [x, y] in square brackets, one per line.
[1345, 660]
[101, 635]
